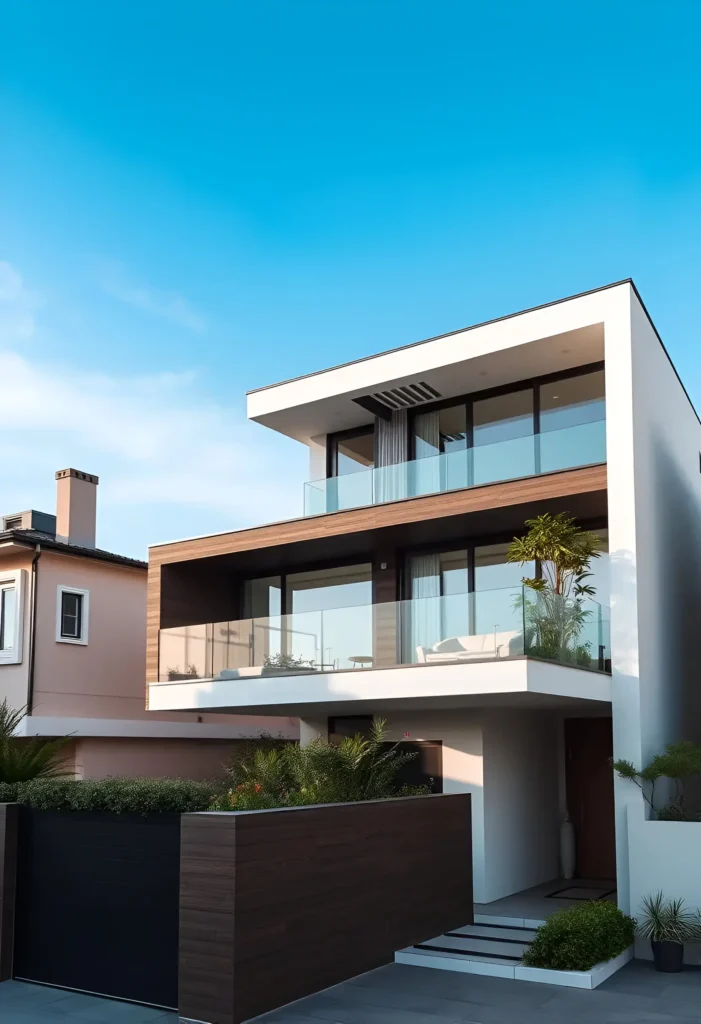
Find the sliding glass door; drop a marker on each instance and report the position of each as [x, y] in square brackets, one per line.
[352, 457]
[464, 604]
[437, 584]
[320, 618]
[546, 426]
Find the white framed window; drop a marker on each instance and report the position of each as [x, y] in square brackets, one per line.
[11, 617]
[72, 615]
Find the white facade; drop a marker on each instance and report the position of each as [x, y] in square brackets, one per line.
[501, 723]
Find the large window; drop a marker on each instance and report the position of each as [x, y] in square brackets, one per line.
[572, 421]
[503, 437]
[351, 455]
[539, 428]
[352, 451]
[469, 603]
[11, 608]
[326, 617]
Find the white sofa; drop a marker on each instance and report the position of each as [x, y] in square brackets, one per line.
[473, 648]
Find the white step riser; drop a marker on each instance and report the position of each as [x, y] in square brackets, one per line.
[492, 969]
[474, 945]
[485, 931]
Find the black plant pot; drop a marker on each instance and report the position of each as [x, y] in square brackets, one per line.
[669, 956]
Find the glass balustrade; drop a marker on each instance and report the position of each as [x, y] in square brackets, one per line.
[484, 625]
[567, 448]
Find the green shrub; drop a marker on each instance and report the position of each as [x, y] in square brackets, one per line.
[118, 795]
[279, 774]
[578, 938]
[24, 759]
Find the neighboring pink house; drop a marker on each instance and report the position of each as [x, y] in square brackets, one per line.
[73, 650]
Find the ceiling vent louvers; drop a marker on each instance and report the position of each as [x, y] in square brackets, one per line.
[407, 396]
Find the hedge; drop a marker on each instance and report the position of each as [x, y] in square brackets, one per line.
[118, 795]
[578, 938]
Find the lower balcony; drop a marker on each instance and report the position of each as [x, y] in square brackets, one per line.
[452, 646]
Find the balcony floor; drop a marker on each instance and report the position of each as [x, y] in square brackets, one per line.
[511, 682]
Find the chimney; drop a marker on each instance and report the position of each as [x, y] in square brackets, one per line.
[76, 500]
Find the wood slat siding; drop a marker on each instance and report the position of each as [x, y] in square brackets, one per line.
[9, 818]
[375, 517]
[385, 624]
[276, 905]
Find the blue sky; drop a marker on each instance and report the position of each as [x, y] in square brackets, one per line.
[199, 199]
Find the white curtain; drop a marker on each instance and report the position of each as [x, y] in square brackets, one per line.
[391, 452]
[426, 469]
[424, 621]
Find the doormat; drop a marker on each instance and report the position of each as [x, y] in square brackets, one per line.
[582, 892]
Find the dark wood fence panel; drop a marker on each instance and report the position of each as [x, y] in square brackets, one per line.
[278, 904]
[9, 818]
[97, 903]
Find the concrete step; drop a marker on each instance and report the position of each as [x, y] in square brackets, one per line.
[493, 949]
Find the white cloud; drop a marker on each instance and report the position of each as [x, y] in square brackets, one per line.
[172, 461]
[168, 305]
[153, 440]
[17, 305]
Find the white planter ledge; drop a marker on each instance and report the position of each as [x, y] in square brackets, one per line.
[575, 979]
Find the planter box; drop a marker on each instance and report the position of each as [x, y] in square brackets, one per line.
[276, 905]
[664, 855]
[575, 979]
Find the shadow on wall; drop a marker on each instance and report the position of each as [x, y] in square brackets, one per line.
[676, 552]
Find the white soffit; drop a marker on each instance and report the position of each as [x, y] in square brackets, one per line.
[545, 340]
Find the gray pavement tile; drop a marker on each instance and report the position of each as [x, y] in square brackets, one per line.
[11, 991]
[341, 1011]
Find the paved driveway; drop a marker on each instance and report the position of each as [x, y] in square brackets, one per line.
[398, 994]
[412, 995]
[23, 1003]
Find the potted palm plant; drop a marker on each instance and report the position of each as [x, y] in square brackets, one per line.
[555, 616]
[668, 924]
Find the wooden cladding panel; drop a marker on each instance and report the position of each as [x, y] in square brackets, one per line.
[374, 517]
[385, 610]
[276, 905]
[9, 825]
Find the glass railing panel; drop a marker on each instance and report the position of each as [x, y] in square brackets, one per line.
[566, 448]
[184, 653]
[487, 624]
[352, 490]
[569, 631]
[315, 497]
[504, 460]
[581, 445]
[462, 627]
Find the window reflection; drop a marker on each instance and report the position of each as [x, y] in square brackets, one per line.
[572, 401]
[356, 452]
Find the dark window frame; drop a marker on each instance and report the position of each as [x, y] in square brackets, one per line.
[469, 545]
[468, 400]
[346, 435]
[79, 616]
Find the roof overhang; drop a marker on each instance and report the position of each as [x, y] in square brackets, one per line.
[540, 341]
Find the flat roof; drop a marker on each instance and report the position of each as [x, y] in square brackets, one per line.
[458, 330]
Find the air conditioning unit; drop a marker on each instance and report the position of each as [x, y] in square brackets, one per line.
[41, 522]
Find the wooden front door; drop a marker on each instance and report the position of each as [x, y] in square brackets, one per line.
[589, 778]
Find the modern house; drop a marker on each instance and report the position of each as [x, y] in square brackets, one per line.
[391, 594]
[73, 648]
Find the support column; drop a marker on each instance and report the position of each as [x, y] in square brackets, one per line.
[9, 825]
[311, 729]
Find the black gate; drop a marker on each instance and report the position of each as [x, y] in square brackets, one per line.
[97, 903]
